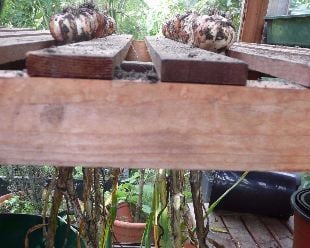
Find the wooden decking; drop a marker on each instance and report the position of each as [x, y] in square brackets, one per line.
[247, 230]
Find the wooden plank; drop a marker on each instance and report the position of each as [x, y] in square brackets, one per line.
[283, 62]
[90, 59]
[238, 231]
[219, 232]
[279, 231]
[259, 232]
[138, 52]
[13, 49]
[23, 33]
[124, 124]
[177, 62]
[252, 20]
[4, 29]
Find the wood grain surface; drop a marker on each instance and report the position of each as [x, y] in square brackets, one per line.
[89, 59]
[23, 33]
[178, 62]
[124, 124]
[138, 52]
[252, 20]
[15, 48]
[284, 62]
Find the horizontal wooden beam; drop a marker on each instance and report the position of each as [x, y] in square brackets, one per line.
[68, 122]
[178, 62]
[96, 58]
[289, 63]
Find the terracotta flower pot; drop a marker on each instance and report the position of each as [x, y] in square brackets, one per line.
[124, 229]
[123, 212]
[3, 198]
[128, 232]
[301, 203]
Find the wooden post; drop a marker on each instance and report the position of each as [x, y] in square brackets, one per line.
[252, 20]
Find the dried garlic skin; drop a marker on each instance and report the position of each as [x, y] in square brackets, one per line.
[213, 33]
[81, 24]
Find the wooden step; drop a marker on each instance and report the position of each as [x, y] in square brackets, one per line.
[177, 62]
[289, 63]
[15, 48]
[90, 59]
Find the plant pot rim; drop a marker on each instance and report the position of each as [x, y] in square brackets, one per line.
[121, 223]
[5, 197]
[302, 208]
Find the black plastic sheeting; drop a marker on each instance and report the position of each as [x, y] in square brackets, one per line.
[263, 193]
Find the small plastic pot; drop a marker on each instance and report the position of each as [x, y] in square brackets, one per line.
[300, 201]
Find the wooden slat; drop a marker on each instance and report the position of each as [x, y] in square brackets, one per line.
[252, 20]
[123, 124]
[219, 232]
[138, 52]
[283, 62]
[23, 33]
[279, 231]
[90, 59]
[177, 62]
[3, 29]
[238, 231]
[259, 232]
[13, 49]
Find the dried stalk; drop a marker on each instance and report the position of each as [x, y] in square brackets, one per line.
[201, 230]
[177, 201]
[64, 175]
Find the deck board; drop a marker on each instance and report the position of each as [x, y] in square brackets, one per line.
[283, 62]
[261, 235]
[279, 230]
[9, 34]
[15, 48]
[238, 231]
[96, 58]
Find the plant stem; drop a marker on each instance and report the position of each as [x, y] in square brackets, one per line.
[140, 196]
[195, 181]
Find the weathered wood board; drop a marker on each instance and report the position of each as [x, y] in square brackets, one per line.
[89, 59]
[177, 62]
[15, 48]
[123, 124]
[284, 62]
[4, 29]
[23, 33]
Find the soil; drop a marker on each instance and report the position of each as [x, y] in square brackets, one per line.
[138, 72]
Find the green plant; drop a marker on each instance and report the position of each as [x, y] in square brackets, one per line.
[18, 204]
[305, 180]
